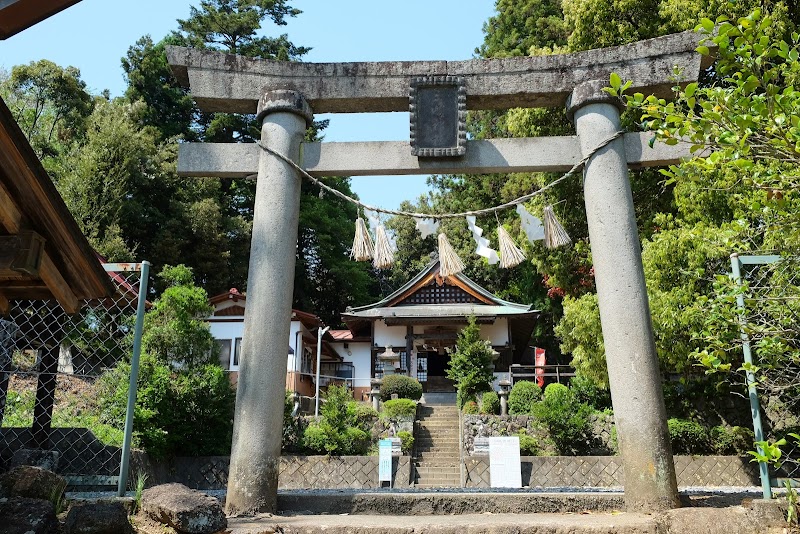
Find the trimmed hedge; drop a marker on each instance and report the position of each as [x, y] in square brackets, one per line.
[399, 408]
[688, 437]
[403, 386]
[522, 397]
[490, 403]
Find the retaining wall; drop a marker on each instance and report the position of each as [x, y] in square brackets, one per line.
[296, 472]
[606, 471]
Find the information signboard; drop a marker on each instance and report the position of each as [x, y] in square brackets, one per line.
[385, 461]
[505, 468]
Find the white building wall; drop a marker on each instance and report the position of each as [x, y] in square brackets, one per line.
[497, 333]
[359, 356]
[390, 335]
[231, 330]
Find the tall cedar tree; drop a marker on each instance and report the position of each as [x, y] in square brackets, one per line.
[326, 281]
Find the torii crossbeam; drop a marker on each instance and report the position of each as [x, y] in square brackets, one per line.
[284, 95]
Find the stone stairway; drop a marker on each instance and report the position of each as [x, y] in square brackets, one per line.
[437, 462]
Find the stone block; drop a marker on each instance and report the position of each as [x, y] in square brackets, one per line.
[183, 509]
[45, 459]
[32, 482]
[21, 515]
[102, 517]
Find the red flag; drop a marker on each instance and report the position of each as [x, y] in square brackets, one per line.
[540, 361]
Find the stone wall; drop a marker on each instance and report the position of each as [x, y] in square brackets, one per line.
[600, 441]
[296, 472]
[606, 471]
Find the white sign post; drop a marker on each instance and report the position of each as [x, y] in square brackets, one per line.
[505, 469]
[385, 462]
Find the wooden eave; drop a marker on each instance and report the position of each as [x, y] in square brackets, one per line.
[69, 270]
[18, 15]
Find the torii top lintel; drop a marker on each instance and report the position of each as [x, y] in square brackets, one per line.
[230, 83]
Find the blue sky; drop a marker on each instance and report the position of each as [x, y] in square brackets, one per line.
[94, 34]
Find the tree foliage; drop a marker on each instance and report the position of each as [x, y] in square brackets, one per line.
[470, 365]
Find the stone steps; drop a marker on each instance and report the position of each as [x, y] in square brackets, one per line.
[437, 448]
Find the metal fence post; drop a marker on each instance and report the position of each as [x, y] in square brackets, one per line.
[137, 347]
[755, 408]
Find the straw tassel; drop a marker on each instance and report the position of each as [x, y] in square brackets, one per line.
[554, 233]
[510, 254]
[384, 255]
[449, 262]
[362, 243]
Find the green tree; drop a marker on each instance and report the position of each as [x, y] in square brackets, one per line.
[745, 132]
[175, 328]
[213, 221]
[49, 102]
[470, 366]
[185, 400]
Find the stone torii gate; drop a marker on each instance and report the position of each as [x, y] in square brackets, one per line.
[285, 95]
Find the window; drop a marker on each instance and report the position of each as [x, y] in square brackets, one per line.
[224, 353]
[236, 352]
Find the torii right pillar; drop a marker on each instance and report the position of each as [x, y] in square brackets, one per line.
[633, 370]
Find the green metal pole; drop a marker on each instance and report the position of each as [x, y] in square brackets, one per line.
[755, 409]
[144, 273]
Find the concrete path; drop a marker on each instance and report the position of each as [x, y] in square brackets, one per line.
[600, 523]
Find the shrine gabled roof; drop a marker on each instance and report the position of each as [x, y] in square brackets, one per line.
[475, 300]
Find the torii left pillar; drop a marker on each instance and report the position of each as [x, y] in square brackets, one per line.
[258, 422]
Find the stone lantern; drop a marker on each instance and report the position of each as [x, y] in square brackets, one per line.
[375, 392]
[389, 360]
[505, 388]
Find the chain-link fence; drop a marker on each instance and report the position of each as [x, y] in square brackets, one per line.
[768, 298]
[59, 401]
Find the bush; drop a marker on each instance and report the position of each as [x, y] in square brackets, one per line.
[588, 392]
[406, 441]
[404, 386]
[342, 429]
[522, 397]
[731, 439]
[360, 414]
[528, 445]
[554, 390]
[490, 403]
[471, 408]
[178, 413]
[354, 441]
[688, 437]
[566, 418]
[399, 408]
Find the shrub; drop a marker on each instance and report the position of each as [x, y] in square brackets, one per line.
[354, 441]
[566, 418]
[361, 414]
[342, 428]
[490, 403]
[293, 426]
[178, 413]
[555, 390]
[399, 408]
[317, 438]
[406, 441]
[528, 445]
[404, 386]
[731, 439]
[471, 408]
[522, 397]
[588, 392]
[687, 436]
